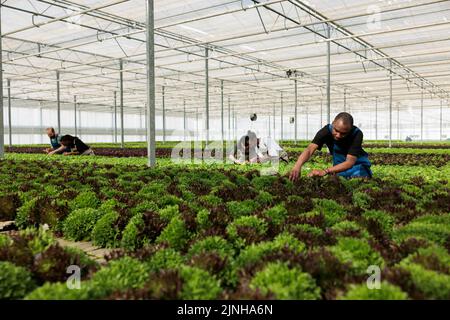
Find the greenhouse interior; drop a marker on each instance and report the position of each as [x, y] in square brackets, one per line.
[225, 150]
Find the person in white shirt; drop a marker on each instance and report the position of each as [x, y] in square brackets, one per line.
[252, 149]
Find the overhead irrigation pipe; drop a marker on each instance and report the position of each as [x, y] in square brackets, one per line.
[404, 7]
[261, 89]
[366, 60]
[133, 69]
[317, 66]
[300, 25]
[238, 54]
[75, 45]
[231, 55]
[408, 94]
[108, 19]
[113, 81]
[319, 16]
[385, 57]
[53, 51]
[77, 13]
[265, 50]
[291, 59]
[215, 15]
[47, 52]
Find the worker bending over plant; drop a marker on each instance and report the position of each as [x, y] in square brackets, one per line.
[251, 149]
[76, 146]
[55, 143]
[344, 141]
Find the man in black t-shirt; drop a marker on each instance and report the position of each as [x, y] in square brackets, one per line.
[344, 141]
[76, 146]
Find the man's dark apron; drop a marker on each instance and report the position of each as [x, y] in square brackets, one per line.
[55, 142]
[361, 167]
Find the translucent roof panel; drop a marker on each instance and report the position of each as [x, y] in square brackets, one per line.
[256, 49]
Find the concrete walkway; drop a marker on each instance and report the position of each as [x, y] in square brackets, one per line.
[94, 252]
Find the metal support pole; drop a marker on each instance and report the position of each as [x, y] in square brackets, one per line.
[41, 124]
[58, 101]
[222, 102]
[421, 116]
[146, 120]
[112, 124]
[207, 93]
[75, 114]
[9, 113]
[390, 109]
[440, 123]
[281, 119]
[2, 126]
[328, 74]
[296, 111]
[307, 122]
[196, 123]
[79, 123]
[122, 129]
[150, 55]
[398, 121]
[115, 116]
[321, 114]
[345, 100]
[273, 121]
[235, 125]
[229, 118]
[184, 119]
[164, 112]
[376, 118]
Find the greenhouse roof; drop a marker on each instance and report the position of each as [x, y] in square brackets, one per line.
[256, 49]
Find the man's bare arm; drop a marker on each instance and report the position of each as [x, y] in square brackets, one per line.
[344, 166]
[60, 149]
[302, 159]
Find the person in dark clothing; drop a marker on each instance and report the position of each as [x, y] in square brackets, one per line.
[76, 146]
[344, 141]
[55, 143]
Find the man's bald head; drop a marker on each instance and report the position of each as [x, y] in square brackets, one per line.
[345, 118]
[342, 125]
[50, 132]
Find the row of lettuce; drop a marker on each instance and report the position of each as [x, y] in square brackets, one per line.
[183, 233]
